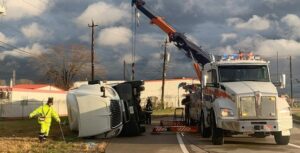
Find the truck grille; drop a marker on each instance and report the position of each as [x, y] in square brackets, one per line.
[116, 114]
[262, 107]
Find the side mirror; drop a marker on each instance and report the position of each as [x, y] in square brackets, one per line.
[102, 89]
[204, 80]
[282, 81]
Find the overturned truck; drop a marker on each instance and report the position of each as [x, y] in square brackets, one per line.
[104, 110]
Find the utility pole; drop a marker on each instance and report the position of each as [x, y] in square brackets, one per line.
[124, 70]
[14, 77]
[277, 68]
[132, 70]
[164, 75]
[92, 48]
[291, 81]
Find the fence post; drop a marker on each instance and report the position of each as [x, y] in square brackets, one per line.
[0, 110]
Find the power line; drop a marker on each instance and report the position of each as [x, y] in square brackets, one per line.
[18, 49]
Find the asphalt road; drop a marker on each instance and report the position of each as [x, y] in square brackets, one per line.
[194, 143]
[146, 143]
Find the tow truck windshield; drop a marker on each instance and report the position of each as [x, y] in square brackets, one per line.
[234, 73]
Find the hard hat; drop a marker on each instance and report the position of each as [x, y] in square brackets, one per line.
[50, 100]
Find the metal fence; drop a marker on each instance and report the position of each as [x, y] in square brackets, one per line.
[169, 101]
[22, 109]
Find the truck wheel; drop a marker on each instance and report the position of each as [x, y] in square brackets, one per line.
[205, 132]
[280, 139]
[192, 122]
[217, 133]
[130, 129]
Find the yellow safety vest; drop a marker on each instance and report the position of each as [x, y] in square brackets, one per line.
[47, 112]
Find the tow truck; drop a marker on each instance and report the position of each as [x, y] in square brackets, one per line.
[236, 95]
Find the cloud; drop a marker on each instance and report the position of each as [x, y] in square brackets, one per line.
[151, 40]
[228, 36]
[255, 23]
[114, 36]
[17, 9]
[103, 14]
[34, 31]
[293, 23]
[232, 7]
[33, 50]
[128, 58]
[277, 1]
[5, 39]
[267, 47]
[283, 46]
[85, 38]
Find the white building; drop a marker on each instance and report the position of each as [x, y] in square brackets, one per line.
[172, 96]
[20, 100]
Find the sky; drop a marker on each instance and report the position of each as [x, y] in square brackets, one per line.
[264, 27]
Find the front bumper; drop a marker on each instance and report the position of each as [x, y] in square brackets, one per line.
[251, 126]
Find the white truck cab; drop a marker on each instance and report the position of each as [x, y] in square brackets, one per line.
[95, 110]
[238, 97]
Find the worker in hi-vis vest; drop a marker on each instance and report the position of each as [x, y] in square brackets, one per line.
[44, 114]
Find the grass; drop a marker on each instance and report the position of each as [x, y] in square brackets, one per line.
[163, 112]
[21, 136]
[296, 116]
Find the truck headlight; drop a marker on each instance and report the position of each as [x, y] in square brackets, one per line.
[226, 112]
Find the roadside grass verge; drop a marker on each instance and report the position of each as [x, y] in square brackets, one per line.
[296, 116]
[21, 136]
[169, 112]
[163, 112]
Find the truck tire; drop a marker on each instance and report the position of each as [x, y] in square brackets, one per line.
[130, 129]
[205, 132]
[217, 137]
[192, 122]
[280, 139]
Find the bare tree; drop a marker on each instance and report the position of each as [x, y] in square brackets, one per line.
[2, 82]
[64, 65]
[24, 81]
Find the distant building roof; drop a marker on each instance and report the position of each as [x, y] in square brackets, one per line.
[175, 79]
[30, 86]
[36, 87]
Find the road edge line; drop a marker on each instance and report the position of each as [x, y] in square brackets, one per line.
[181, 144]
[293, 145]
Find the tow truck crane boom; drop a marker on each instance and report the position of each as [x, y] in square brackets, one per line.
[191, 49]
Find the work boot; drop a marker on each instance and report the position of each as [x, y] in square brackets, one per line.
[41, 137]
[45, 138]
